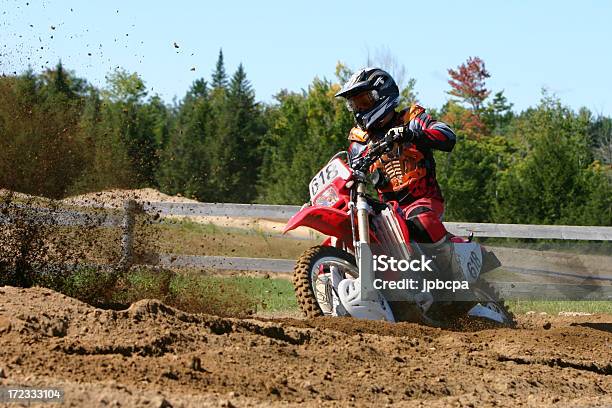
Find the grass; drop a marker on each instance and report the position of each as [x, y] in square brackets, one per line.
[567, 246]
[553, 307]
[237, 296]
[190, 238]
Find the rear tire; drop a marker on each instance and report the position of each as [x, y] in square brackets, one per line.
[448, 314]
[489, 297]
[304, 277]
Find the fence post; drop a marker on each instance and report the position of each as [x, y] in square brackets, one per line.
[127, 234]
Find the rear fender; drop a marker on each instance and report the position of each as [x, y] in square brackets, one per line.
[489, 261]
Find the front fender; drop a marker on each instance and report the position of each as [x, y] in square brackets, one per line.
[328, 221]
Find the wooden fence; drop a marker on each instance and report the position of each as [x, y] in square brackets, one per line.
[126, 222]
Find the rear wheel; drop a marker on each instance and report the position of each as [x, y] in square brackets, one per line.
[313, 279]
[487, 305]
[491, 306]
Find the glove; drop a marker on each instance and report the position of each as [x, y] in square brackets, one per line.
[399, 134]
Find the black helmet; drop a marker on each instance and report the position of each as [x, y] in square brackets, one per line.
[370, 94]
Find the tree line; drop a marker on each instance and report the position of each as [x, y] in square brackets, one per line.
[60, 135]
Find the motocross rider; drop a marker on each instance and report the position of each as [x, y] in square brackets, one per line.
[407, 173]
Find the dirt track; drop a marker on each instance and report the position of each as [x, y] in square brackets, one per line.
[150, 353]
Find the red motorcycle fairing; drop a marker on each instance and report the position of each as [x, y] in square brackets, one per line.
[327, 220]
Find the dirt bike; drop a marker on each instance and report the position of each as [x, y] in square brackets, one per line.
[336, 277]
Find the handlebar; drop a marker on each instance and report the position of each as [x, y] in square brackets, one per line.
[363, 163]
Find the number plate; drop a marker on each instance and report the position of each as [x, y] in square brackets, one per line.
[332, 170]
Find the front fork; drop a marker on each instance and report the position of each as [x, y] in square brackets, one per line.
[362, 245]
[364, 257]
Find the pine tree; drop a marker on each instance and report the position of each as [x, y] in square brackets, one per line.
[219, 77]
[185, 167]
[552, 181]
[245, 130]
[60, 83]
[498, 113]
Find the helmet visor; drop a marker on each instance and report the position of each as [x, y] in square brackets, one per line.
[363, 101]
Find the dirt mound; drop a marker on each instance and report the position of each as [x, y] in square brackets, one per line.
[19, 196]
[152, 355]
[116, 198]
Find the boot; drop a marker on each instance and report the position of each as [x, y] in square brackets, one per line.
[443, 255]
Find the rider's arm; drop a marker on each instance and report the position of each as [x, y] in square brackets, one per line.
[432, 134]
[356, 150]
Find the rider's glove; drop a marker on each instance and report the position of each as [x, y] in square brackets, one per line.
[400, 134]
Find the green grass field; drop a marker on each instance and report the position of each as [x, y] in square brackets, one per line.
[555, 307]
[238, 295]
[191, 238]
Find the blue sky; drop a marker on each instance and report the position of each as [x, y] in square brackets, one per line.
[561, 45]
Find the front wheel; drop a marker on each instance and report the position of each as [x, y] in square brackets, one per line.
[316, 276]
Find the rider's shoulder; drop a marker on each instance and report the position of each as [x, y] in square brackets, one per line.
[412, 112]
[358, 135]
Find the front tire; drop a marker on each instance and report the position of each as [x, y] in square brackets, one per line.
[312, 278]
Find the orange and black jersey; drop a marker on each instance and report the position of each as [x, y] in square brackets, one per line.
[411, 173]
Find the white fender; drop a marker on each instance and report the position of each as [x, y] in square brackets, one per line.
[349, 291]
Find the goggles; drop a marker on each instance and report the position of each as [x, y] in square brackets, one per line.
[363, 101]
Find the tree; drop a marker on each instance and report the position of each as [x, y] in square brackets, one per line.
[287, 124]
[468, 83]
[600, 135]
[304, 131]
[233, 148]
[185, 165]
[343, 72]
[498, 113]
[41, 147]
[408, 94]
[468, 177]
[552, 180]
[124, 87]
[219, 77]
[463, 120]
[246, 130]
[133, 121]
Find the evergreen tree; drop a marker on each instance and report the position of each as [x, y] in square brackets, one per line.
[498, 113]
[219, 77]
[468, 177]
[245, 129]
[287, 125]
[185, 167]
